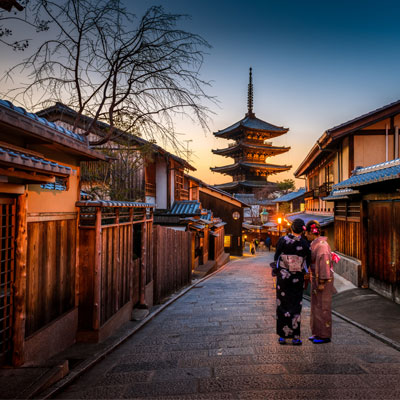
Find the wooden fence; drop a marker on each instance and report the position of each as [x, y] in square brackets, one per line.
[348, 237]
[113, 259]
[51, 264]
[172, 261]
[217, 243]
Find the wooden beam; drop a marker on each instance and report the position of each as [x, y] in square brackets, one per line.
[97, 272]
[19, 287]
[143, 266]
[37, 178]
[351, 154]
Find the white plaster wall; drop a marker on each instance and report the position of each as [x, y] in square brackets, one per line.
[172, 185]
[161, 184]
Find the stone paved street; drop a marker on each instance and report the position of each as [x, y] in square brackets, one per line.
[218, 341]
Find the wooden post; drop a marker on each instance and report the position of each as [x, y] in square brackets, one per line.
[364, 244]
[19, 287]
[116, 262]
[97, 272]
[143, 265]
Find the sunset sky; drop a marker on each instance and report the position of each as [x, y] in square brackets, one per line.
[315, 64]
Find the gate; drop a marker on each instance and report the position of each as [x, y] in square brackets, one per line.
[7, 241]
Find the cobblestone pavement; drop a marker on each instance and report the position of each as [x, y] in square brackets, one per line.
[218, 341]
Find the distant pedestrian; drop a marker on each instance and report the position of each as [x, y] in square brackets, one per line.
[292, 257]
[252, 247]
[268, 243]
[321, 284]
[256, 243]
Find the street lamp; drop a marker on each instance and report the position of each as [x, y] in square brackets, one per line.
[279, 226]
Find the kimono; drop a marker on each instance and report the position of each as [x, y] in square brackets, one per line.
[321, 288]
[292, 255]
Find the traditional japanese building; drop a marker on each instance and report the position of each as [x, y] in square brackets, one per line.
[250, 151]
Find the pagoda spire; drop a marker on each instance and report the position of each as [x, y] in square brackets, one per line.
[250, 112]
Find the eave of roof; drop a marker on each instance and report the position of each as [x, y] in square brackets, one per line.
[388, 170]
[264, 148]
[250, 165]
[366, 119]
[62, 109]
[290, 196]
[247, 184]
[253, 124]
[113, 203]
[185, 207]
[26, 161]
[333, 134]
[341, 194]
[31, 124]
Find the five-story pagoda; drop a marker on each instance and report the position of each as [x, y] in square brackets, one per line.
[250, 151]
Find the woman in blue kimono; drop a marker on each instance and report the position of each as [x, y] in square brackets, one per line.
[292, 257]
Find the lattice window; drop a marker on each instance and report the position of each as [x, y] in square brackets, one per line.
[7, 238]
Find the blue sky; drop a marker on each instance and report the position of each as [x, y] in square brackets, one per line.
[315, 64]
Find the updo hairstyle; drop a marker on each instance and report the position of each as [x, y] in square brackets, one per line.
[298, 225]
[313, 227]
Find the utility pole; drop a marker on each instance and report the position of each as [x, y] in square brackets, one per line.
[187, 148]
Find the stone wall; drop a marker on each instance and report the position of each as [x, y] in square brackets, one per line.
[349, 268]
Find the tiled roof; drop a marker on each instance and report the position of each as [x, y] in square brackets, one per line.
[252, 123]
[62, 109]
[324, 220]
[24, 160]
[43, 121]
[375, 173]
[290, 196]
[113, 203]
[245, 164]
[185, 207]
[250, 199]
[341, 194]
[236, 184]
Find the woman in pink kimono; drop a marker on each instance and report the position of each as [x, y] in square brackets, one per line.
[321, 284]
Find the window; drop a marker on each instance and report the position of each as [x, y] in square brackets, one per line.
[227, 241]
[59, 184]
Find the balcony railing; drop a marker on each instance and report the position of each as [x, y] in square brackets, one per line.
[325, 189]
[309, 194]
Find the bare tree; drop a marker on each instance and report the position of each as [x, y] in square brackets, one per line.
[133, 73]
[14, 12]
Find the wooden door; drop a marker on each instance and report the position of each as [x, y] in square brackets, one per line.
[7, 260]
[396, 239]
[383, 229]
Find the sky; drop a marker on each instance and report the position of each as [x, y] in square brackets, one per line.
[316, 64]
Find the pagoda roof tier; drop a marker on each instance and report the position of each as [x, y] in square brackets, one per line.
[252, 124]
[266, 168]
[265, 149]
[245, 184]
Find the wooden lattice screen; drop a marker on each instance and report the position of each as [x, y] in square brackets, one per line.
[7, 240]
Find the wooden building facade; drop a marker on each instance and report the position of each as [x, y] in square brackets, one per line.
[140, 171]
[345, 147]
[367, 224]
[39, 168]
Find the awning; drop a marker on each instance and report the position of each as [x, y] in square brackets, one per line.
[29, 166]
[250, 227]
[323, 219]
